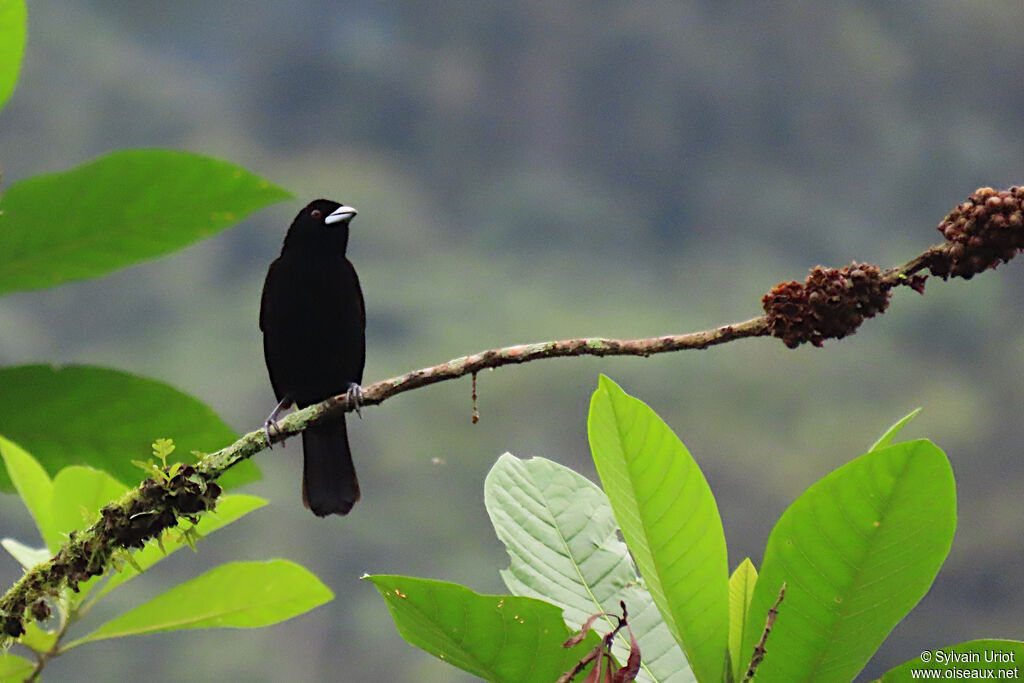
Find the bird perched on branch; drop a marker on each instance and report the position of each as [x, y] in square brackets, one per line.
[314, 342]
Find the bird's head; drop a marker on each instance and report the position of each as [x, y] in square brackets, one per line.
[323, 224]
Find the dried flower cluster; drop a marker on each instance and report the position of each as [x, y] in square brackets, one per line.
[830, 304]
[981, 233]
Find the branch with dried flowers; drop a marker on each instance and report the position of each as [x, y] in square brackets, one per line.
[980, 233]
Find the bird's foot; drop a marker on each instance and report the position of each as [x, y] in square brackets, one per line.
[355, 397]
[271, 421]
[267, 426]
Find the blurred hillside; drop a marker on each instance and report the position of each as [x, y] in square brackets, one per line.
[533, 170]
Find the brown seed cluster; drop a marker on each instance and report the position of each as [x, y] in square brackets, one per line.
[981, 233]
[830, 304]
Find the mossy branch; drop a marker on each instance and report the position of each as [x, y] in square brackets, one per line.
[980, 233]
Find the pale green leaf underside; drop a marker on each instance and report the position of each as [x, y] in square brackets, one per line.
[27, 556]
[562, 538]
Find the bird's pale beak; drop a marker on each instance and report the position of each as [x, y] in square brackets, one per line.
[342, 213]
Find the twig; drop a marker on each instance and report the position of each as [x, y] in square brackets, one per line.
[759, 649]
[476, 412]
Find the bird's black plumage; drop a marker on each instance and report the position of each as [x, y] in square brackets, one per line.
[314, 341]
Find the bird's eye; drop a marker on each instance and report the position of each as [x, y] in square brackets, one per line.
[316, 213]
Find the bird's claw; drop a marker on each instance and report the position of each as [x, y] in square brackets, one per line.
[355, 397]
[271, 421]
[266, 430]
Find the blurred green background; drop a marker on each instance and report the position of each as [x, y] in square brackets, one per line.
[527, 171]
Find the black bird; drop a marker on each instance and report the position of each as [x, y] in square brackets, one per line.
[314, 341]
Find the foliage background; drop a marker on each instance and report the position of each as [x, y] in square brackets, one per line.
[527, 171]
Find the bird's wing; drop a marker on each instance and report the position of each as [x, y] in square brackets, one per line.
[264, 299]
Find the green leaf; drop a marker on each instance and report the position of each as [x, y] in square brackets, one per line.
[36, 638]
[741, 591]
[14, 668]
[236, 595]
[26, 555]
[562, 539]
[29, 478]
[669, 519]
[83, 415]
[163, 449]
[892, 432]
[965, 658]
[122, 208]
[229, 509]
[12, 45]
[857, 551]
[495, 637]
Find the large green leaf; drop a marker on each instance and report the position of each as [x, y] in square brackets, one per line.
[669, 519]
[229, 508]
[857, 551]
[12, 45]
[82, 415]
[562, 538]
[974, 656]
[495, 637]
[122, 208]
[741, 591]
[237, 595]
[33, 484]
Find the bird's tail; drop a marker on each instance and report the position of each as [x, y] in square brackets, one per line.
[329, 484]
